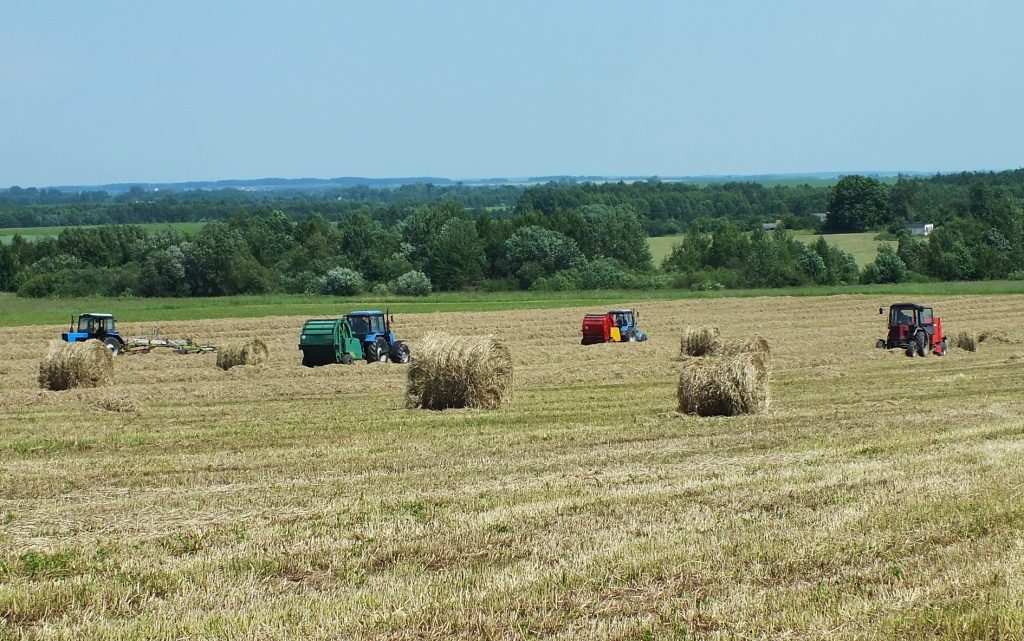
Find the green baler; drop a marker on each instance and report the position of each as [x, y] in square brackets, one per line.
[325, 341]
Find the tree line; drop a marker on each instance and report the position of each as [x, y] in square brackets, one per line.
[558, 236]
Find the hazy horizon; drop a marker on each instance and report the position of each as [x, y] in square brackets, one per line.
[112, 92]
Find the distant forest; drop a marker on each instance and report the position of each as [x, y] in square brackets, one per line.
[419, 237]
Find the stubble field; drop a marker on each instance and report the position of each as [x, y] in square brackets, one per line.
[881, 497]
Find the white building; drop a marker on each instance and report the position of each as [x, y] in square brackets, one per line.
[920, 229]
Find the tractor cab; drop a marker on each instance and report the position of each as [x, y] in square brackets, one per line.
[915, 328]
[373, 329]
[101, 327]
[625, 320]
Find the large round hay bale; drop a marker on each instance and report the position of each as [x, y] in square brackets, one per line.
[459, 371]
[68, 365]
[251, 352]
[724, 385]
[700, 341]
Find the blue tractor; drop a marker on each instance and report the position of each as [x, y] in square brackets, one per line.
[373, 329]
[100, 327]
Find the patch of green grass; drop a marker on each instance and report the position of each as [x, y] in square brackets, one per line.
[35, 233]
[862, 245]
[661, 246]
[16, 311]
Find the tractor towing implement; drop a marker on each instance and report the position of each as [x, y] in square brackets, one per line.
[354, 336]
[913, 328]
[101, 327]
[615, 326]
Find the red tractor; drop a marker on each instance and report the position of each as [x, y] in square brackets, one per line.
[913, 328]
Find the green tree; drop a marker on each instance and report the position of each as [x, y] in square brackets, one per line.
[891, 268]
[550, 250]
[414, 283]
[8, 267]
[455, 256]
[857, 203]
[342, 281]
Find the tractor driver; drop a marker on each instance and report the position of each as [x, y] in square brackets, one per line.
[903, 318]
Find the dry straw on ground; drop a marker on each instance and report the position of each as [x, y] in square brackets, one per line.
[251, 352]
[965, 342]
[459, 371]
[68, 365]
[724, 385]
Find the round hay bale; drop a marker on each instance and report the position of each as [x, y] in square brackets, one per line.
[756, 344]
[68, 365]
[700, 341]
[459, 371]
[965, 342]
[724, 385]
[251, 352]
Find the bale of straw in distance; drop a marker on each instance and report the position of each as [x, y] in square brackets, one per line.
[966, 342]
[459, 371]
[724, 385]
[756, 344]
[68, 365]
[700, 341]
[251, 352]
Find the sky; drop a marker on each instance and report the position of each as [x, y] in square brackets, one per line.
[98, 92]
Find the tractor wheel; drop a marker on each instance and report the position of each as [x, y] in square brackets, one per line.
[921, 341]
[399, 353]
[346, 359]
[113, 345]
[306, 362]
[911, 349]
[879, 344]
[382, 350]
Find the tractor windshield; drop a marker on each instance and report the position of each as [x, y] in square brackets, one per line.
[360, 324]
[926, 316]
[93, 324]
[902, 316]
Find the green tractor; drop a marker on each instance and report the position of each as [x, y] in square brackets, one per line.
[326, 341]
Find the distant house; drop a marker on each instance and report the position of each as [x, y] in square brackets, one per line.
[920, 229]
[820, 215]
[771, 226]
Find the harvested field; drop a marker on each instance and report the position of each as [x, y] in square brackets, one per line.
[182, 501]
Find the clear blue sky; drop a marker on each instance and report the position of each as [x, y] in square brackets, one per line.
[94, 92]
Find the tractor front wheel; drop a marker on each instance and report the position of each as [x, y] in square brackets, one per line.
[346, 359]
[879, 344]
[381, 351]
[911, 349]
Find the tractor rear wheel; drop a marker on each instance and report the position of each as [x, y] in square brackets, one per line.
[113, 345]
[399, 353]
[921, 341]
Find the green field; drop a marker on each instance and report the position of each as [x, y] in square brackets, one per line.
[862, 246]
[35, 233]
[16, 311]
